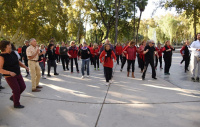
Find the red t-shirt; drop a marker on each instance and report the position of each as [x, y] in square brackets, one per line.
[109, 61]
[19, 50]
[57, 50]
[131, 52]
[94, 52]
[159, 51]
[118, 50]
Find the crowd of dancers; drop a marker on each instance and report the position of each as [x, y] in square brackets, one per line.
[36, 56]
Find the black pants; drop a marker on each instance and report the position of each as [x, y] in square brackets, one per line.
[91, 59]
[119, 57]
[183, 60]
[96, 61]
[130, 62]
[76, 63]
[26, 63]
[20, 57]
[147, 62]
[139, 61]
[142, 63]
[160, 60]
[51, 63]
[108, 73]
[123, 62]
[187, 62]
[57, 58]
[65, 60]
[168, 61]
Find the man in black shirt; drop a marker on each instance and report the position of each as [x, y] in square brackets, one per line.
[149, 52]
[24, 56]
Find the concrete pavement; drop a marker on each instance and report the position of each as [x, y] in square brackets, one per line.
[69, 101]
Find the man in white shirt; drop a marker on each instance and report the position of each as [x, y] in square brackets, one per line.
[195, 58]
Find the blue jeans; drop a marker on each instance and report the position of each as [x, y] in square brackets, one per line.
[85, 62]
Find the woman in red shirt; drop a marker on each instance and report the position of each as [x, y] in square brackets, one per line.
[73, 53]
[95, 55]
[141, 50]
[57, 53]
[118, 50]
[131, 56]
[20, 52]
[106, 59]
[159, 49]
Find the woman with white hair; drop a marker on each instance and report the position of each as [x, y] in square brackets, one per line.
[73, 53]
[149, 52]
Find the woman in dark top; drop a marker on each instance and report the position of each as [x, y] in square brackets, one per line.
[84, 54]
[149, 52]
[51, 59]
[167, 50]
[10, 68]
[64, 56]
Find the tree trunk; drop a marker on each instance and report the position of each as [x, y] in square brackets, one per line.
[116, 18]
[138, 27]
[134, 23]
[194, 25]
[107, 32]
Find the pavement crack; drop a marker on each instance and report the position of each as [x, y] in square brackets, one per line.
[104, 100]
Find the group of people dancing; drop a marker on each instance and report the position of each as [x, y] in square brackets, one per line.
[35, 57]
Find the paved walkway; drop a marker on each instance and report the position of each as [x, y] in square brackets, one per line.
[69, 101]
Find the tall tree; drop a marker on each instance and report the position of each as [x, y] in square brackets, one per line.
[141, 5]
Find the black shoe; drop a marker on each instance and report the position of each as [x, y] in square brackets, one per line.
[1, 87]
[121, 70]
[19, 106]
[27, 75]
[64, 70]
[193, 79]
[154, 78]
[56, 74]
[197, 79]
[48, 75]
[11, 98]
[143, 78]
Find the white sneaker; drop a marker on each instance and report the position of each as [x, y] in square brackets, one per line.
[110, 81]
[82, 77]
[43, 77]
[87, 76]
[107, 83]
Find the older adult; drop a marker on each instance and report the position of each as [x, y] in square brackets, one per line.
[24, 56]
[33, 53]
[111, 46]
[195, 58]
[10, 68]
[149, 52]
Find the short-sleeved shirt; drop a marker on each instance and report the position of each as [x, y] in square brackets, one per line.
[31, 50]
[150, 54]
